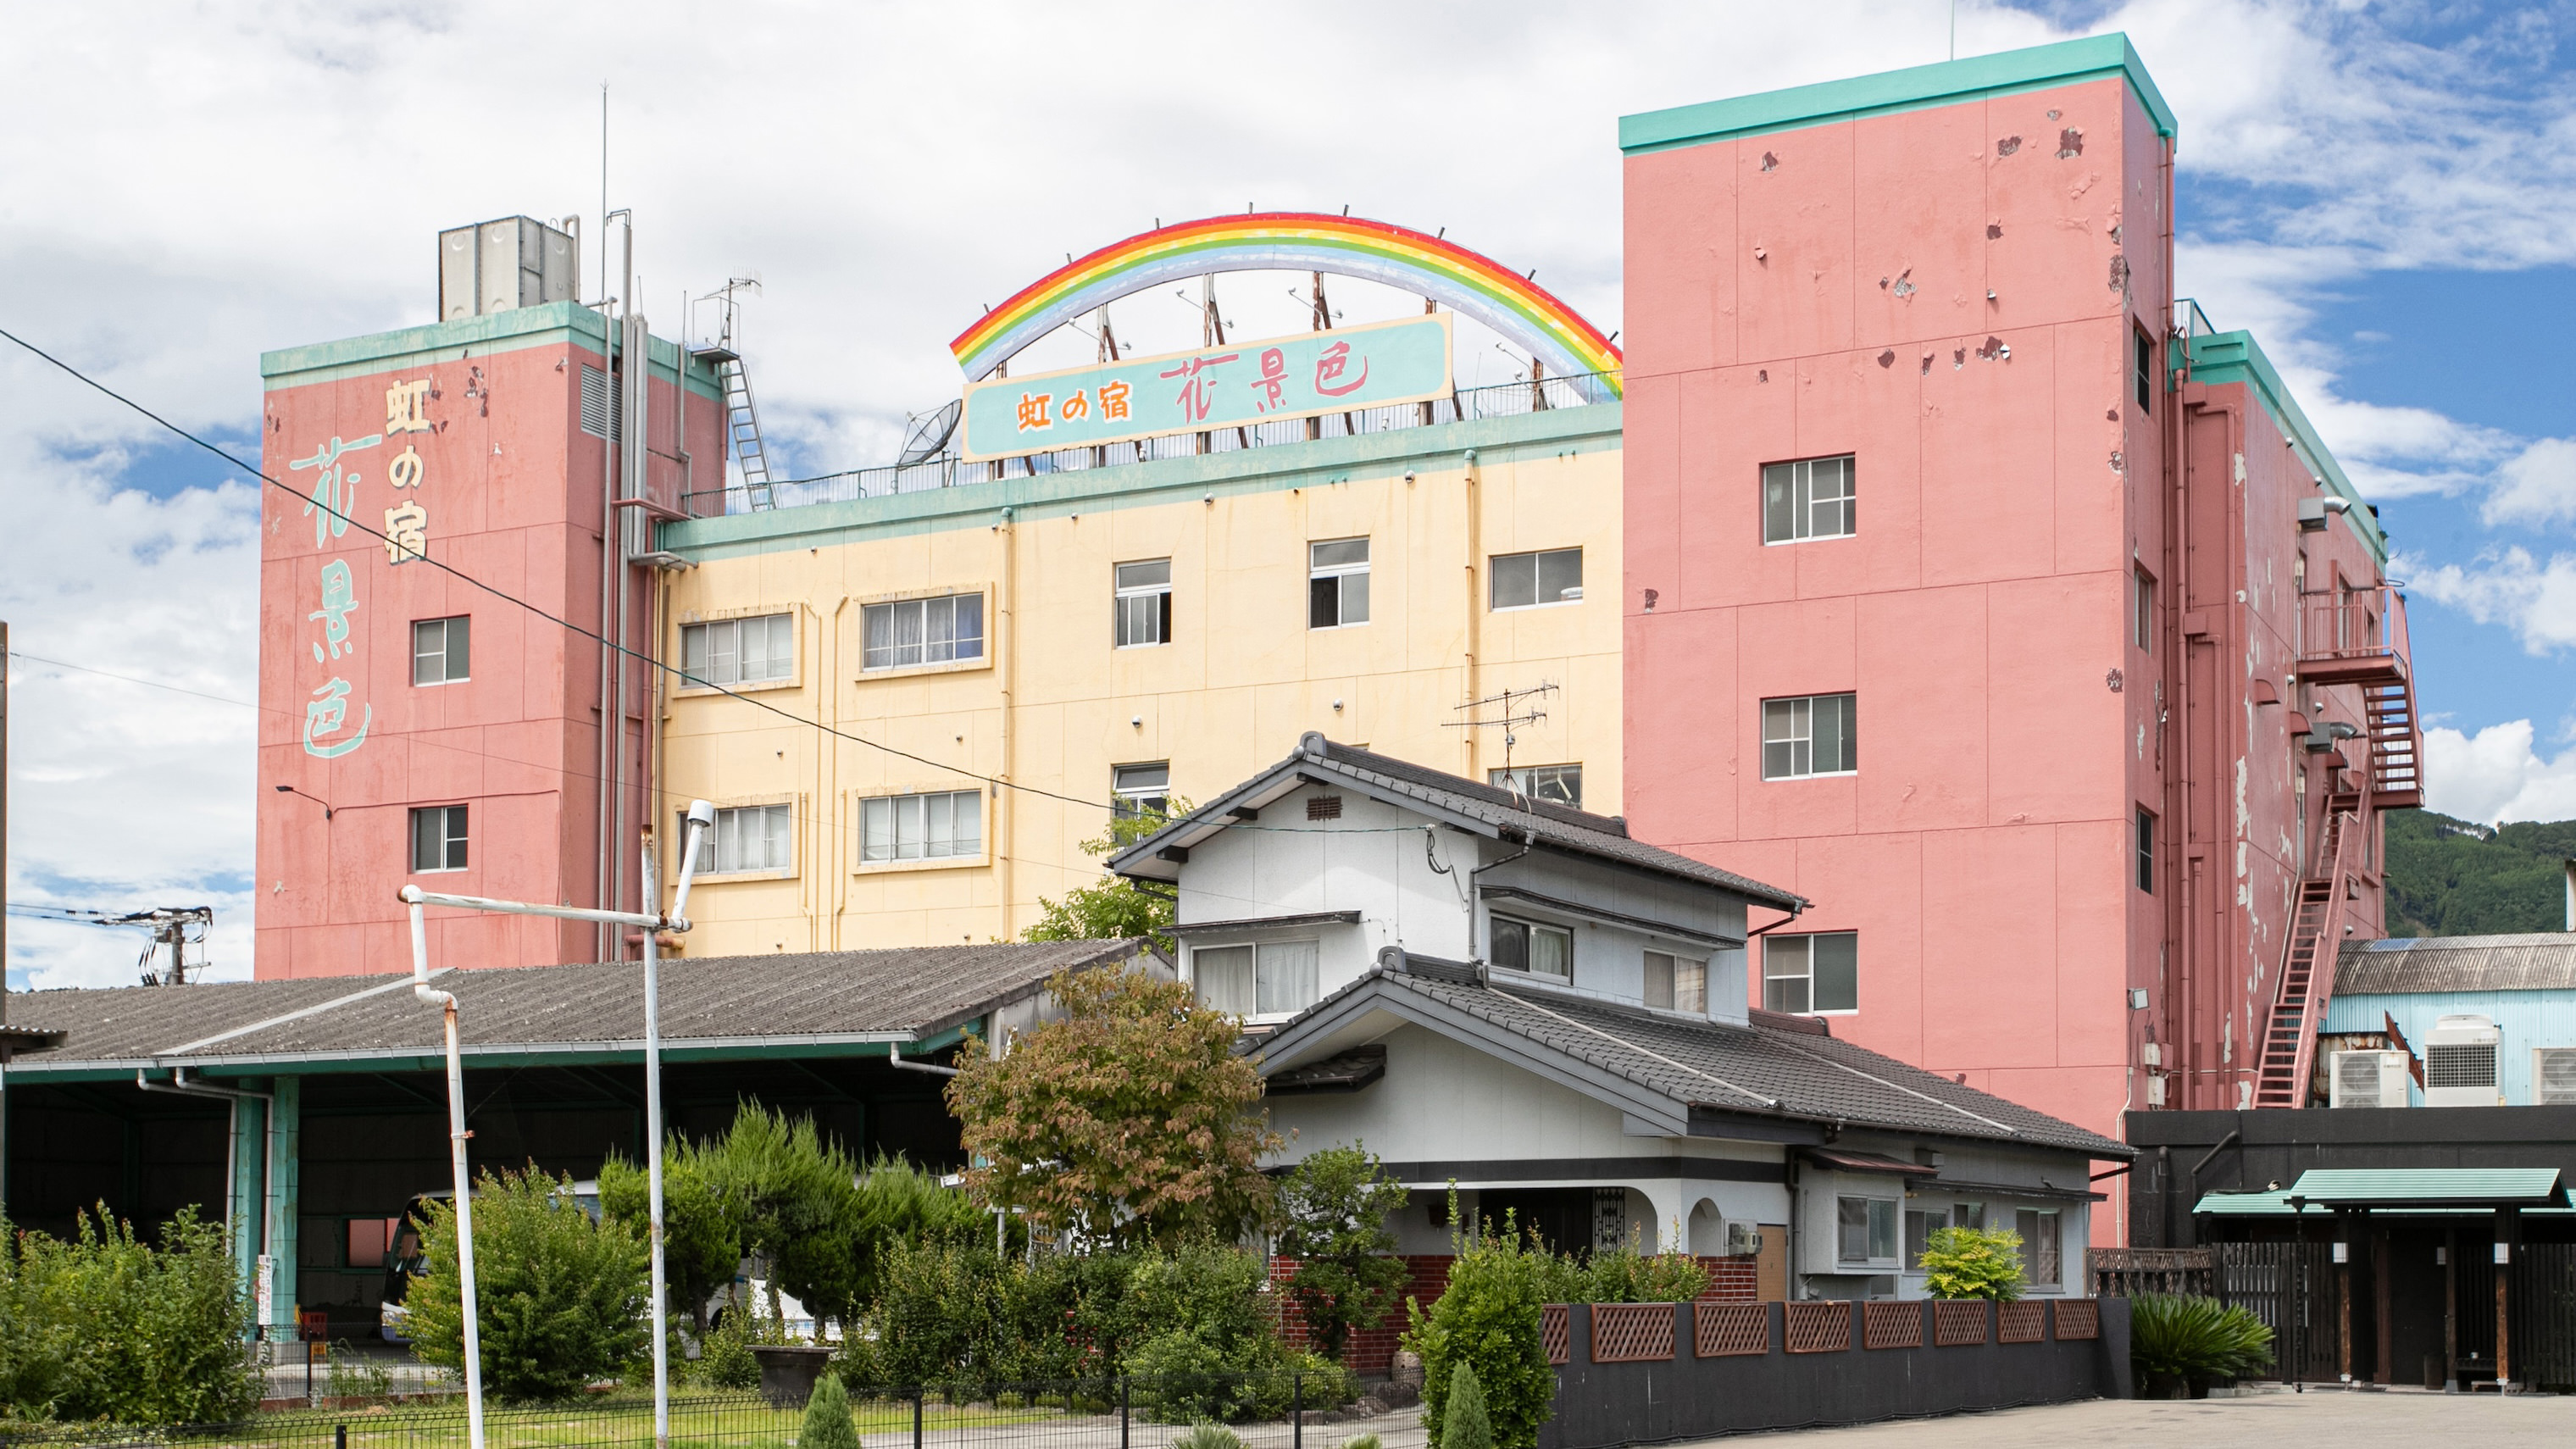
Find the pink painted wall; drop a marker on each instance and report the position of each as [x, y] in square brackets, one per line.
[1951, 295]
[511, 487]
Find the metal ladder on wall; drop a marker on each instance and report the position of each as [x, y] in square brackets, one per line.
[2307, 970]
[742, 420]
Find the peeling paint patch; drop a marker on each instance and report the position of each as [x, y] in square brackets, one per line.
[1927, 366]
[2110, 415]
[2007, 146]
[2119, 271]
[2070, 142]
[1993, 349]
[1762, 376]
[1887, 358]
[1994, 231]
[2119, 461]
[1904, 284]
[2115, 233]
[1958, 358]
[2142, 742]
[2053, 115]
[2244, 816]
[1770, 162]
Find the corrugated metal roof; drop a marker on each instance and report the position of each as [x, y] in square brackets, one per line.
[709, 1004]
[2428, 1186]
[2541, 961]
[1755, 1069]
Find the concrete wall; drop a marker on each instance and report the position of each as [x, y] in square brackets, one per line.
[510, 487]
[1055, 707]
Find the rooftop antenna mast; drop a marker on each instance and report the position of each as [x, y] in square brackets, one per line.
[1512, 711]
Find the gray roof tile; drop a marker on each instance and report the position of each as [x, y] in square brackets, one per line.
[2536, 962]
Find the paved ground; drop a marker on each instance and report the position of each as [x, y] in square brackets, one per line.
[2398, 1419]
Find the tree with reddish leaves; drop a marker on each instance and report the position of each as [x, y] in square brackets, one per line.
[1129, 1120]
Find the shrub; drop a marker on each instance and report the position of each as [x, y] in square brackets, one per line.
[1624, 1275]
[827, 1418]
[1464, 1425]
[1208, 1436]
[107, 1326]
[1973, 1263]
[1364, 1441]
[1489, 1316]
[564, 1300]
[1334, 1207]
[2178, 1336]
[724, 1356]
[942, 1318]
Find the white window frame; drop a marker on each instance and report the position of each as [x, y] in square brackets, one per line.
[1495, 921]
[1537, 562]
[455, 637]
[889, 816]
[2053, 1222]
[1804, 503]
[1341, 572]
[1535, 781]
[1132, 795]
[1893, 1211]
[1794, 725]
[1806, 944]
[1682, 982]
[961, 651]
[1141, 604]
[775, 816]
[455, 835]
[1313, 951]
[711, 652]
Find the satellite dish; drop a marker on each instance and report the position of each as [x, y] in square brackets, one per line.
[930, 433]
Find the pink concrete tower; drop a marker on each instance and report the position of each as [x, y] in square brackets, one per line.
[415, 726]
[1972, 598]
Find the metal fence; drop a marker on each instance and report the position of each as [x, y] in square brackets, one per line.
[1510, 399]
[2541, 1341]
[1263, 1411]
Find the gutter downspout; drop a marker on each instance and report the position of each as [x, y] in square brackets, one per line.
[612, 431]
[1475, 533]
[894, 1058]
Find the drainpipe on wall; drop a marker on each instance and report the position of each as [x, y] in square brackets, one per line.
[1475, 632]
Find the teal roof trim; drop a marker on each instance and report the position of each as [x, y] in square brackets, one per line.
[1917, 88]
[1165, 480]
[2224, 357]
[2429, 1186]
[2277, 1205]
[520, 327]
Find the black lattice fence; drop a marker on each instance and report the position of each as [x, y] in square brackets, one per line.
[2292, 1288]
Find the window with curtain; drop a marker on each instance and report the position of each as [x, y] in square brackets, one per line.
[923, 631]
[1273, 978]
[1678, 983]
[739, 651]
[2039, 1246]
[1532, 947]
[939, 826]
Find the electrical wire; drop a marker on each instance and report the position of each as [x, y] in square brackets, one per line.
[570, 627]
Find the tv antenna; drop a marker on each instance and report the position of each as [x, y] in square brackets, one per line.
[1512, 711]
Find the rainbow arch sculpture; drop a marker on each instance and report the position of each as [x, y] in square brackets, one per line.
[1298, 241]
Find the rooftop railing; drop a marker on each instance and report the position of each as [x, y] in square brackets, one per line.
[1509, 399]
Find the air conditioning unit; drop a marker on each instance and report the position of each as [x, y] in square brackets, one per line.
[1744, 1238]
[2369, 1079]
[2553, 1076]
[2460, 1063]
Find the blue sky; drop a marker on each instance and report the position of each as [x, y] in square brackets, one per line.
[2384, 193]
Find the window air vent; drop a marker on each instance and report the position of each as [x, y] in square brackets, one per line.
[1323, 807]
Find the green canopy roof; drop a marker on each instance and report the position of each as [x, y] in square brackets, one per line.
[2400, 1189]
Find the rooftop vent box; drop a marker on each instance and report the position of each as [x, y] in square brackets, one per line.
[515, 262]
[2460, 1063]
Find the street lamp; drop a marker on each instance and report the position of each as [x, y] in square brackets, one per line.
[701, 817]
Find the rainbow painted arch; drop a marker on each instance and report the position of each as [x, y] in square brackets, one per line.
[1294, 241]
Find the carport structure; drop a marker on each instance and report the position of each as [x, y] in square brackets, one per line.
[307, 1113]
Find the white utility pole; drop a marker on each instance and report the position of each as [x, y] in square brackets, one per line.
[702, 816]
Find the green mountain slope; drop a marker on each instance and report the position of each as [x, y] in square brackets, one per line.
[2447, 877]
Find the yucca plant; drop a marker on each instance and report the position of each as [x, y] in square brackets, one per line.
[1208, 1436]
[2188, 1338]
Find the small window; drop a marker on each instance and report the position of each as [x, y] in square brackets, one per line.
[1550, 784]
[440, 652]
[752, 837]
[2145, 623]
[1920, 1225]
[2146, 349]
[2039, 1246]
[924, 631]
[1144, 603]
[1529, 946]
[1865, 1229]
[1527, 580]
[1803, 975]
[1141, 789]
[1676, 983]
[2146, 850]
[1968, 1215]
[1275, 978]
[438, 838]
[1814, 734]
[939, 826]
[739, 651]
[1811, 498]
[1337, 583]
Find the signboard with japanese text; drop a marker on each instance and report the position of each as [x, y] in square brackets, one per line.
[1228, 386]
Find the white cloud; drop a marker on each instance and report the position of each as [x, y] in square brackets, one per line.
[2536, 600]
[2496, 775]
[2537, 485]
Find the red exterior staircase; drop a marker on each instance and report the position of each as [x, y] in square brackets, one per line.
[2307, 970]
[2396, 745]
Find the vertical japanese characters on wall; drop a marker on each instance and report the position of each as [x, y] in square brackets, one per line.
[332, 503]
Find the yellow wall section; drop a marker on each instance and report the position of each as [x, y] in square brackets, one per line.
[1054, 706]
